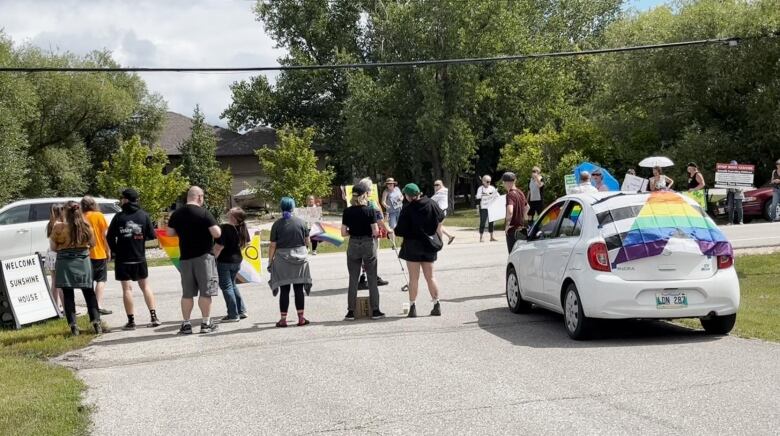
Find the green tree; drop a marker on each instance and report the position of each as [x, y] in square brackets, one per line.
[200, 166]
[290, 169]
[137, 166]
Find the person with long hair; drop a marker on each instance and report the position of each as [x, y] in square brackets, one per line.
[55, 216]
[659, 181]
[100, 252]
[288, 261]
[359, 222]
[420, 226]
[72, 240]
[228, 247]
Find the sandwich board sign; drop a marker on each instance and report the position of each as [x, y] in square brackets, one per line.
[25, 290]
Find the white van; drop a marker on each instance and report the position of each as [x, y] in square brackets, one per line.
[23, 224]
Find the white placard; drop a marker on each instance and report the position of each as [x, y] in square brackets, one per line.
[25, 285]
[497, 209]
[633, 183]
[734, 175]
[311, 214]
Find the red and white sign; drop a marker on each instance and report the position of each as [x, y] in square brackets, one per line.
[734, 175]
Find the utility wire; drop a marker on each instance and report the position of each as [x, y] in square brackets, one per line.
[731, 41]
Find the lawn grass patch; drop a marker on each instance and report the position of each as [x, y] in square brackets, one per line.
[759, 309]
[37, 397]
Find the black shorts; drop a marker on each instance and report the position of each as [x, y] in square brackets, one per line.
[131, 271]
[99, 270]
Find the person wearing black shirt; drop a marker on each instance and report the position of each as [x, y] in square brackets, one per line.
[419, 225]
[359, 223]
[196, 229]
[234, 238]
[127, 235]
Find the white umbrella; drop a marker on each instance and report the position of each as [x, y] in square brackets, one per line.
[656, 161]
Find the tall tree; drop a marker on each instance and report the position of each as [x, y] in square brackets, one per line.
[200, 166]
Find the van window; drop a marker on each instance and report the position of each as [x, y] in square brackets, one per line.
[109, 208]
[16, 215]
[40, 212]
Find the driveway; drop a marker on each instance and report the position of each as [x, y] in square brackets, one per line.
[478, 369]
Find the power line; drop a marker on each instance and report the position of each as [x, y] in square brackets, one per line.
[731, 41]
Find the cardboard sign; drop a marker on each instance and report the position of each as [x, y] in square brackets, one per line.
[27, 290]
[634, 184]
[497, 209]
[734, 175]
[570, 183]
[309, 214]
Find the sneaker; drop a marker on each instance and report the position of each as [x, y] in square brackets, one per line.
[412, 311]
[281, 323]
[74, 330]
[129, 326]
[363, 283]
[186, 329]
[314, 253]
[97, 327]
[380, 282]
[208, 328]
[243, 315]
[155, 322]
[377, 314]
[436, 309]
[105, 311]
[229, 319]
[350, 315]
[303, 322]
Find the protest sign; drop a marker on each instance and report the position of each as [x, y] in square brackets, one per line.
[373, 196]
[26, 291]
[570, 183]
[310, 214]
[734, 175]
[633, 183]
[497, 209]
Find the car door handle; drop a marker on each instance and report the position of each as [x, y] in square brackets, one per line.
[22, 231]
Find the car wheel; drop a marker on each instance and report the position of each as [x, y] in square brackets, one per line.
[767, 207]
[578, 326]
[719, 325]
[513, 297]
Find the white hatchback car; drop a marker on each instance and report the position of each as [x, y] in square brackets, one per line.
[23, 224]
[620, 255]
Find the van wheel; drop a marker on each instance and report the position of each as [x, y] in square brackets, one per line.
[719, 325]
[513, 297]
[578, 326]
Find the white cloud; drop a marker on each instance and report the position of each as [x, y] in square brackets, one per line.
[146, 33]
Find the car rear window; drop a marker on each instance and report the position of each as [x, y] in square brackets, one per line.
[109, 208]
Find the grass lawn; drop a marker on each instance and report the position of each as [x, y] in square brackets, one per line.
[38, 398]
[468, 218]
[759, 311]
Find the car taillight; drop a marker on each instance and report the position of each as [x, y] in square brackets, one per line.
[725, 262]
[598, 257]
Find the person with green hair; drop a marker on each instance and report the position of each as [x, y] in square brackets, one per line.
[288, 261]
[420, 226]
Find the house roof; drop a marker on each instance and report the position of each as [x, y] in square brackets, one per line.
[229, 143]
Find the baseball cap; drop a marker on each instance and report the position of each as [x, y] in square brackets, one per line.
[130, 195]
[411, 189]
[508, 177]
[358, 190]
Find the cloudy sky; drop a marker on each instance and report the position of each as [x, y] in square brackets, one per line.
[161, 33]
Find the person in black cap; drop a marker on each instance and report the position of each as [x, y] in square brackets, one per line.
[127, 236]
[515, 209]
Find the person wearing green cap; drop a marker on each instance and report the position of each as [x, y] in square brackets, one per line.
[420, 226]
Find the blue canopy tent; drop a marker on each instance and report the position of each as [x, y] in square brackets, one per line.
[608, 179]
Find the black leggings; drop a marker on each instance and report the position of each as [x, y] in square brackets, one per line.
[314, 243]
[284, 297]
[70, 304]
[483, 218]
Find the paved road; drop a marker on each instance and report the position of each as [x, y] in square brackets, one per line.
[753, 235]
[479, 369]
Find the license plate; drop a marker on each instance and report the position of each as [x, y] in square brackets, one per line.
[671, 300]
[721, 211]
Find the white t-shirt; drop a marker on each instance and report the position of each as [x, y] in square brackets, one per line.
[486, 195]
[441, 198]
[584, 188]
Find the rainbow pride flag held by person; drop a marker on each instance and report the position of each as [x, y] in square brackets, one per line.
[327, 232]
[637, 226]
[170, 244]
[251, 267]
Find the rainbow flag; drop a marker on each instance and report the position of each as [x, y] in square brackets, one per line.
[327, 232]
[636, 226]
[250, 265]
